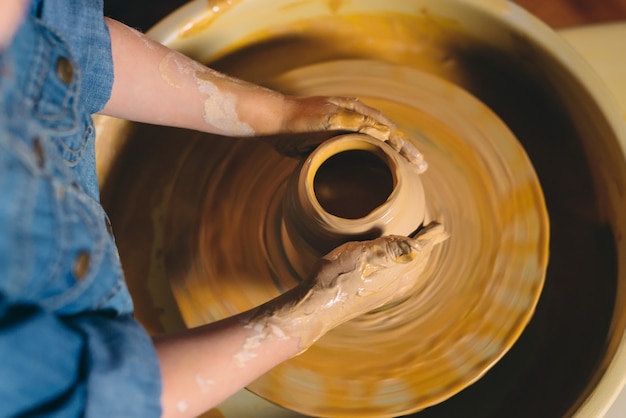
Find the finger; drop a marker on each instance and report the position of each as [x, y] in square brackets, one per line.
[343, 119]
[430, 235]
[357, 106]
[389, 250]
[350, 119]
[401, 250]
[406, 149]
[319, 113]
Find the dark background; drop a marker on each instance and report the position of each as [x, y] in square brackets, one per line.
[142, 14]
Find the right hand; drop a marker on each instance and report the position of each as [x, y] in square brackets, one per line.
[351, 280]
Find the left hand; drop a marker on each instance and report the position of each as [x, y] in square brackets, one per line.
[323, 114]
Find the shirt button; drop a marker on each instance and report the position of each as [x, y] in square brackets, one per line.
[65, 70]
[81, 264]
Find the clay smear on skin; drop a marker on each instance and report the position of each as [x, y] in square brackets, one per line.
[220, 108]
[182, 405]
[204, 383]
[356, 282]
[261, 332]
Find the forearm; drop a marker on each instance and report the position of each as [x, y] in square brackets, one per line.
[202, 367]
[154, 84]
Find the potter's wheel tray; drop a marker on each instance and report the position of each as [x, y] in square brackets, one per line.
[213, 234]
[483, 286]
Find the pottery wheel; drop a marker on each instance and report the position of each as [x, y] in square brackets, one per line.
[215, 238]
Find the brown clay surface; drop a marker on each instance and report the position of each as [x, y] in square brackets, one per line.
[571, 321]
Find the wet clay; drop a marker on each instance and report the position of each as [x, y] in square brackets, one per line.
[213, 208]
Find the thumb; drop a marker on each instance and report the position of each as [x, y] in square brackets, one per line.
[429, 236]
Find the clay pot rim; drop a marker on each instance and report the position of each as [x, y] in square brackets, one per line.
[345, 143]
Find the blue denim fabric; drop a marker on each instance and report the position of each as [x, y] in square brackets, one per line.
[69, 345]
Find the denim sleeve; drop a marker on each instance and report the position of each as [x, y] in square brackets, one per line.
[81, 24]
[69, 345]
[95, 366]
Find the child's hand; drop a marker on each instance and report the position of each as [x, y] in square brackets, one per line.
[351, 280]
[323, 114]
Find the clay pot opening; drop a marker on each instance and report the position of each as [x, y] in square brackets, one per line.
[353, 183]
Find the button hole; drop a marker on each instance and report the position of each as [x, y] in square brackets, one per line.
[39, 153]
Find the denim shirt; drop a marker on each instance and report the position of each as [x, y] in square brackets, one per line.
[69, 345]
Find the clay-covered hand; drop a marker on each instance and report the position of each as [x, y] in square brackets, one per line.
[351, 280]
[323, 114]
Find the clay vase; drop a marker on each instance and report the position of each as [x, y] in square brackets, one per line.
[352, 187]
